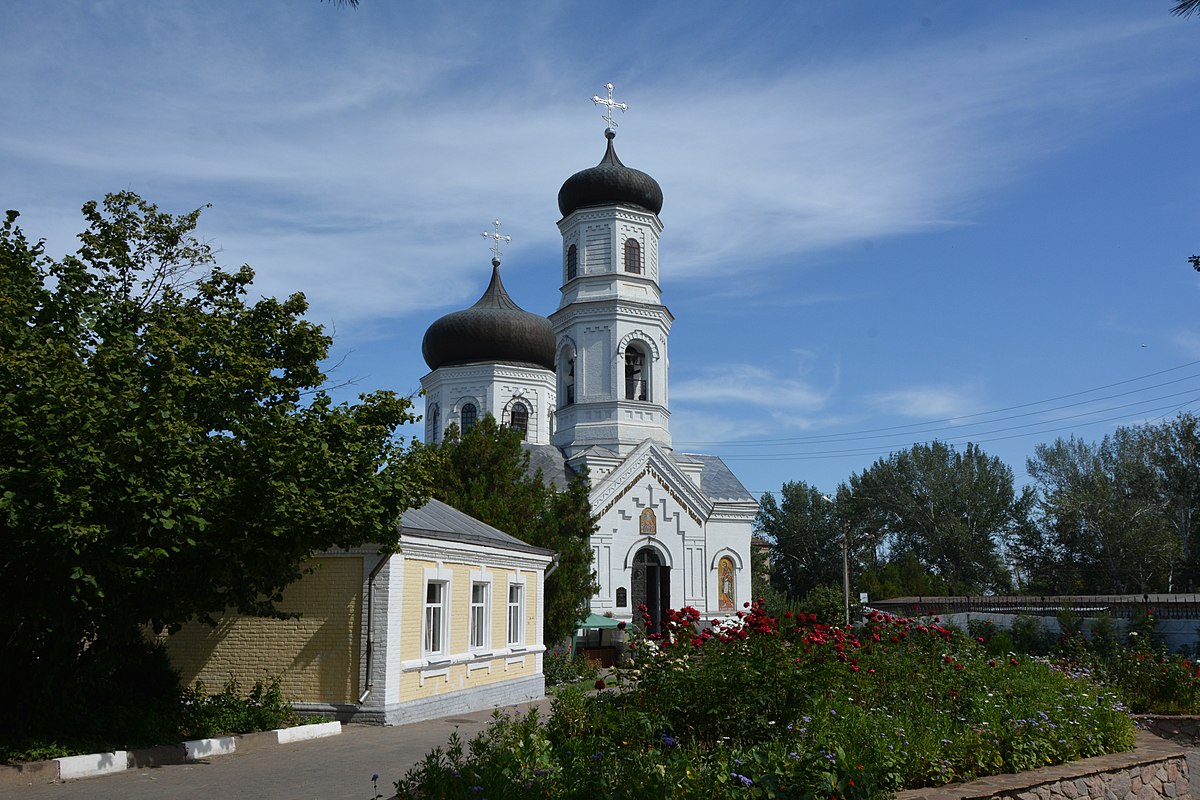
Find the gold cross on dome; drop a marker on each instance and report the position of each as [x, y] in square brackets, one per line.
[496, 239]
[611, 104]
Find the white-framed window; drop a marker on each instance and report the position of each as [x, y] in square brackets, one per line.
[481, 613]
[516, 614]
[434, 634]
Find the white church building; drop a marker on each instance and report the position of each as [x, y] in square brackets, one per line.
[589, 387]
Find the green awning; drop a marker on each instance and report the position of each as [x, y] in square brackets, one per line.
[595, 621]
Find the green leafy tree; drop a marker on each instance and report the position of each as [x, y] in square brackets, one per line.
[802, 527]
[485, 472]
[952, 511]
[165, 450]
[1116, 516]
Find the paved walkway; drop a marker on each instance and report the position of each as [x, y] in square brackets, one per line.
[321, 769]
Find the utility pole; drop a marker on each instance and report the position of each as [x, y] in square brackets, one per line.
[845, 560]
[846, 570]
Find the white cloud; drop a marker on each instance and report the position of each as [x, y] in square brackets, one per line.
[925, 402]
[358, 168]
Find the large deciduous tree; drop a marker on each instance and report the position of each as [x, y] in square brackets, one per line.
[165, 450]
[485, 472]
[1117, 516]
[802, 527]
[950, 511]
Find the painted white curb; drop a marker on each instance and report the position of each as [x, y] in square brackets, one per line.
[203, 748]
[302, 732]
[87, 766]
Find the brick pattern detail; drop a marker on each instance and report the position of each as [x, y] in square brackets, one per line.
[316, 656]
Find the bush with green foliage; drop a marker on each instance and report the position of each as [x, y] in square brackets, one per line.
[765, 707]
[567, 666]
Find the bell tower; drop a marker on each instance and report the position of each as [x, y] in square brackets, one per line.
[611, 327]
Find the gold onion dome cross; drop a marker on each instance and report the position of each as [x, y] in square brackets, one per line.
[496, 238]
[611, 104]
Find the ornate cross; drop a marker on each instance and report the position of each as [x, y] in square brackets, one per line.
[600, 101]
[496, 239]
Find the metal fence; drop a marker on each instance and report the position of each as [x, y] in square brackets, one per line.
[1123, 606]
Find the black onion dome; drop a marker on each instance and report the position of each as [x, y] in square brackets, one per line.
[494, 329]
[610, 182]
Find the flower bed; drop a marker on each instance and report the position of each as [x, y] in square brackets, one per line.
[754, 706]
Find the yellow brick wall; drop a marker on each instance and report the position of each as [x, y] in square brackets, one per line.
[480, 672]
[316, 656]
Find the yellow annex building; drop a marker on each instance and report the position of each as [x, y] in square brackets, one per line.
[450, 623]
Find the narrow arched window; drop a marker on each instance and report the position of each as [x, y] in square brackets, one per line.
[469, 416]
[622, 597]
[518, 418]
[572, 262]
[434, 419]
[633, 256]
[635, 374]
[569, 385]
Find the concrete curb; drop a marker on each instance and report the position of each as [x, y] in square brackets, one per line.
[94, 764]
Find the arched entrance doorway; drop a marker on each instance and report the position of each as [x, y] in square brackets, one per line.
[651, 586]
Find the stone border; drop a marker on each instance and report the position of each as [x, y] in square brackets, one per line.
[93, 764]
[1153, 769]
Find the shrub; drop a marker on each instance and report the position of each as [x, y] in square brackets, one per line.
[228, 712]
[755, 705]
[567, 666]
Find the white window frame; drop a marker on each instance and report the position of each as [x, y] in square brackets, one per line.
[435, 618]
[479, 640]
[515, 634]
[481, 612]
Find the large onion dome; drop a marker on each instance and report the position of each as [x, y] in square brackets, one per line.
[494, 329]
[608, 183]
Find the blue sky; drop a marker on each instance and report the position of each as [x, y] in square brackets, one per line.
[884, 222]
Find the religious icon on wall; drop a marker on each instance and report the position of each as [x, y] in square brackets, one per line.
[726, 600]
[648, 525]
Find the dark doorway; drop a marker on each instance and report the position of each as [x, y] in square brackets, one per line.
[651, 587]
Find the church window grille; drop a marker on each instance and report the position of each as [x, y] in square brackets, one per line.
[435, 618]
[572, 262]
[635, 375]
[480, 613]
[633, 256]
[516, 614]
[518, 418]
[470, 415]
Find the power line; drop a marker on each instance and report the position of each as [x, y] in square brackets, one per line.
[927, 426]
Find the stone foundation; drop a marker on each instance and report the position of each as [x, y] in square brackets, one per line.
[1154, 769]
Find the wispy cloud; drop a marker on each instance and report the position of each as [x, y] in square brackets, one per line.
[925, 402]
[358, 172]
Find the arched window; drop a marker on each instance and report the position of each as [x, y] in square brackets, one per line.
[635, 374]
[518, 418]
[572, 263]
[633, 256]
[622, 597]
[435, 417]
[469, 416]
[569, 381]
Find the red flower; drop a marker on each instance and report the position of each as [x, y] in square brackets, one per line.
[621, 625]
[600, 683]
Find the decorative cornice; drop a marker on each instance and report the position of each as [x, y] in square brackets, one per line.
[605, 308]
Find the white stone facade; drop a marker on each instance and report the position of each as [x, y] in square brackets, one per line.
[492, 388]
